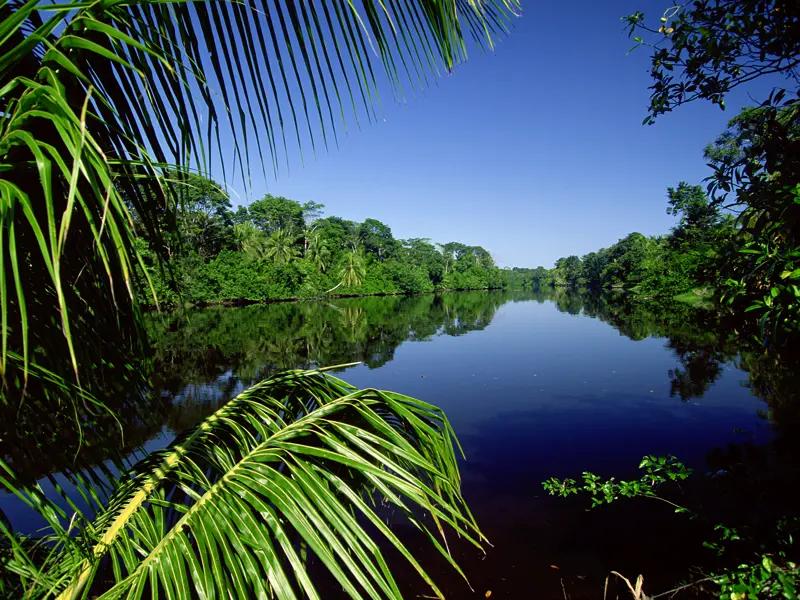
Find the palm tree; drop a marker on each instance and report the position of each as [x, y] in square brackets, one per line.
[353, 270]
[245, 236]
[318, 252]
[102, 103]
[281, 247]
[290, 466]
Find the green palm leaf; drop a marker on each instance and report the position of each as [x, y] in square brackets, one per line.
[101, 102]
[302, 463]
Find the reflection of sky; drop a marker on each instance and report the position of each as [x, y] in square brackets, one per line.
[538, 393]
[565, 393]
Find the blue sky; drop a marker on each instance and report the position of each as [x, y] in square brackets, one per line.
[535, 151]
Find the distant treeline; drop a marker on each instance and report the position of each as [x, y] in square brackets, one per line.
[669, 265]
[277, 248]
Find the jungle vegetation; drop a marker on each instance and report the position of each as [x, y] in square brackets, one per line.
[276, 248]
[686, 259]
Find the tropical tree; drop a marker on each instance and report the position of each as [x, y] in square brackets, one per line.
[697, 214]
[101, 103]
[245, 235]
[203, 216]
[318, 252]
[701, 51]
[422, 253]
[569, 270]
[352, 271]
[377, 238]
[280, 247]
[276, 212]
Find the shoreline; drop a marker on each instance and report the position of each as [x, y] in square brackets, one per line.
[241, 302]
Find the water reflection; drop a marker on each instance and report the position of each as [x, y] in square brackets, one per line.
[536, 384]
[206, 356]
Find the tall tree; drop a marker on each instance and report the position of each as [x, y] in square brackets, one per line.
[377, 238]
[318, 252]
[697, 214]
[593, 265]
[281, 247]
[204, 217]
[422, 253]
[701, 51]
[276, 212]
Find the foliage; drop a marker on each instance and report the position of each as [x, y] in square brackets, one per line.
[658, 470]
[652, 267]
[273, 213]
[756, 161]
[704, 49]
[109, 112]
[280, 247]
[297, 466]
[701, 51]
[104, 110]
[316, 255]
[773, 575]
[352, 271]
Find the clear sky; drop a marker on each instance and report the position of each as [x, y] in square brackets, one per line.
[535, 151]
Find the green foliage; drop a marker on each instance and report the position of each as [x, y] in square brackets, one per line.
[376, 238]
[658, 470]
[108, 111]
[352, 270]
[701, 51]
[653, 267]
[568, 271]
[279, 249]
[697, 215]
[772, 575]
[286, 471]
[704, 49]
[764, 579]
[273, 213]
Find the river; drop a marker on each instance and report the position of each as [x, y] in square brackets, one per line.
[535, 385]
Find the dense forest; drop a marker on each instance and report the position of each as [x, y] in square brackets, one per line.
[277, 248]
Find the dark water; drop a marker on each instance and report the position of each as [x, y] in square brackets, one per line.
[535, 386]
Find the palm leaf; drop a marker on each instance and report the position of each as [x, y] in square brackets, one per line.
[101, 101]
[299, 464]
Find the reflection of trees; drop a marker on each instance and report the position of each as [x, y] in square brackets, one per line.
[777, 381]
[702, 342]
[50, 444]
[696, 337]
[203, 357]
[206, 356]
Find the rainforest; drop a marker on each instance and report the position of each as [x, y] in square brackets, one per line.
[241, 356]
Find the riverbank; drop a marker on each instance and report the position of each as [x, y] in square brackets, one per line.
[248, 302]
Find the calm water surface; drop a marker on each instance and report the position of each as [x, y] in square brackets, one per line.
[535, 386]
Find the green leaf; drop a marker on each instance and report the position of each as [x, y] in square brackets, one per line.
[288, 462]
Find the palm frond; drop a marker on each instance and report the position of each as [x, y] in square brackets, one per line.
[101, 101]
[300, 465]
